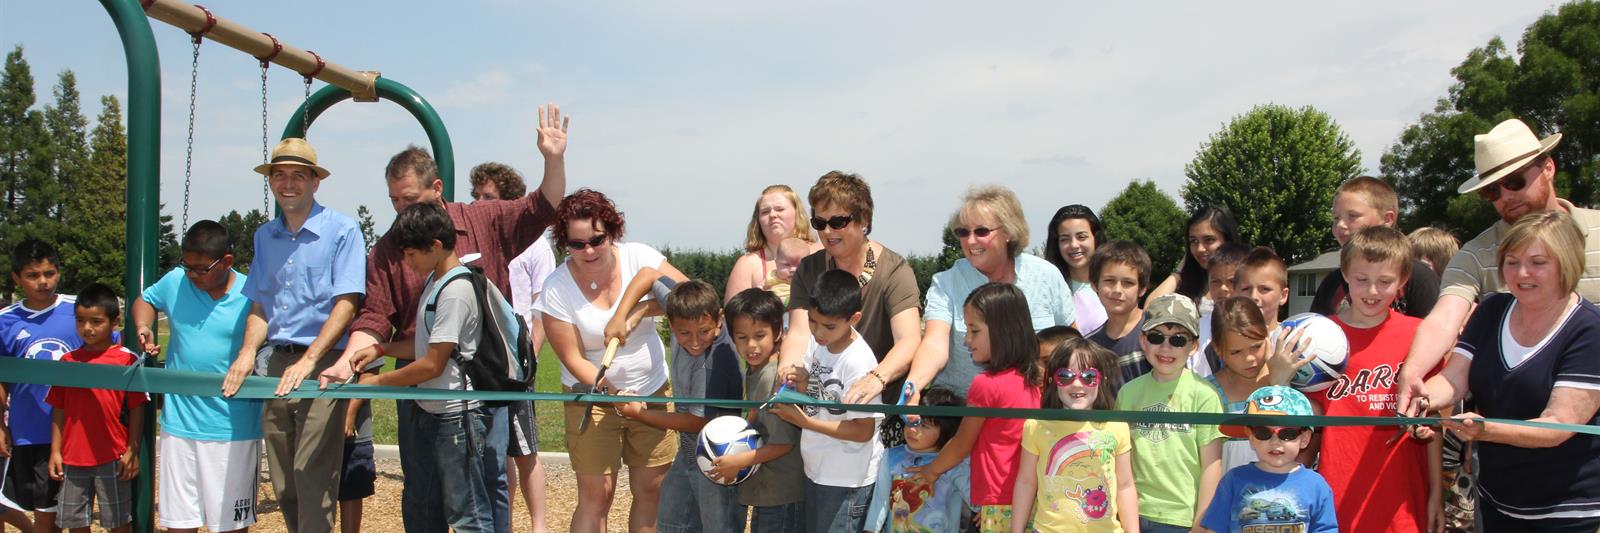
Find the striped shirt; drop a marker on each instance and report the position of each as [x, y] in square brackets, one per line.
[1472, 272]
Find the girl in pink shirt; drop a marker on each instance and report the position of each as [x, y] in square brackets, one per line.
[1001, 338]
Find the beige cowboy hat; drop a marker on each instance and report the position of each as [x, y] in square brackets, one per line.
[1504, 150]
[293, 151]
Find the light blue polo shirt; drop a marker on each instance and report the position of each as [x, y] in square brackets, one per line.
[1049, 304]
[295, 276]
[206, 335]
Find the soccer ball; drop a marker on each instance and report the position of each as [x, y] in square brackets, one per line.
[1327, 342]
[726, 435]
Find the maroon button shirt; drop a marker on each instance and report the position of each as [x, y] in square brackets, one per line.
[496, 229]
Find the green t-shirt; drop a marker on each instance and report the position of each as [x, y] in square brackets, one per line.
[1166, 457]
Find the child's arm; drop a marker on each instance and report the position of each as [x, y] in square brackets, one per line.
[1435, 485]
[1210, 474]
[128, 464]
[1023, 492]
[728, 466]
[853, 430]
[5, 436]
[959, 447]
[626, 317]
[878, 508]
[1127, 494]
[428, 367]
[58, 418]
[144, 316]
[658, 418]
[353, 412]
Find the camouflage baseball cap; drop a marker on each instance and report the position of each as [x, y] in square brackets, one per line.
[1174, 309]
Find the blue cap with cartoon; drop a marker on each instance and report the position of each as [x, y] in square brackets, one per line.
[1273, 400]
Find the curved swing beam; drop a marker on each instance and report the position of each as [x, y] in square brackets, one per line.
[141, 267]
[393, 91]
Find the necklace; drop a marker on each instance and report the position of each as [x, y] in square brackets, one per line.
[593, 286]
[867, 269]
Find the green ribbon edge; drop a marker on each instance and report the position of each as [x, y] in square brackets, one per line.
[169, 381]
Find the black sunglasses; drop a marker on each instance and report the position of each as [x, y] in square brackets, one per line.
[1157, 338]
[200, 271]
[1515, 182]
[1089, 376]
[980, 231]
[1284, 434]
[579, 244]
[838, 222]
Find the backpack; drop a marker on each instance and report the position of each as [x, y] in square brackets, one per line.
[505, 358]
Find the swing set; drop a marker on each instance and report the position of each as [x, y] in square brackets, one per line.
[131, 18]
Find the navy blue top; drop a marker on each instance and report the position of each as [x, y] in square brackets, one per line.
[1525, 482]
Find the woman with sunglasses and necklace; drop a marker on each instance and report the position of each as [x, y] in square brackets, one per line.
[993, 235]
[841, 212]
[578, 301]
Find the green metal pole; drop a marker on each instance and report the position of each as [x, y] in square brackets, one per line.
[144, 206]
[398, 93]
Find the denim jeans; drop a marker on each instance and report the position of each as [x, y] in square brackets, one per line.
[1146, 524]
[420, 508]
[468, 463]
[836, 509]
[691, 503]
[786, 518]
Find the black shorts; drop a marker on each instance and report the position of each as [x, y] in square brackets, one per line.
[27, 482]
[359, 474]
[524, 429]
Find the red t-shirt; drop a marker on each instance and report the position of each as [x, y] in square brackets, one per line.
[1376, 486]
[999, 445]
[92, 433]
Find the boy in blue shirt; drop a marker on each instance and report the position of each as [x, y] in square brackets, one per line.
[704, 364]
[1274, 493]
[42, 326]
[210, 447]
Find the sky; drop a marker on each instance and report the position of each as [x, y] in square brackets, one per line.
[683, 111]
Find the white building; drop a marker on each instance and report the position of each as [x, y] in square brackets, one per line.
[1304, 278]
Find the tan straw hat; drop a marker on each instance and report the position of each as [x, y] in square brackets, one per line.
[1504, 150]
[293, 151]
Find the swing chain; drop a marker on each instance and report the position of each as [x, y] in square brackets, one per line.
[188, 163]
[305, 112]
[266, 193]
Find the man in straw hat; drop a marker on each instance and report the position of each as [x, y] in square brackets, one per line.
[307, 278]
[488, 234]
[1517, 174]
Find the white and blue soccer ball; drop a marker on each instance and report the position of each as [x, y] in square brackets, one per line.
[1327, 343]
[726, 435]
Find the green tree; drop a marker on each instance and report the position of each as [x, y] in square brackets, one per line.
[1276, 168]
[369, 231]
[69, 142]
[25, 163]
[1552, 83]
[169, 250]
[97, 212]
[242, 230]
[1141, 213]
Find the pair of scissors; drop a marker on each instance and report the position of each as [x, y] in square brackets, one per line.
[905, 396]
[768, 404]
[1401, 431]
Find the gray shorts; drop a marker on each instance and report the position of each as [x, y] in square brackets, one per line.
[81, 486]
[524, 429]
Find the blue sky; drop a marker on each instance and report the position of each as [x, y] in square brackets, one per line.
[683, 111]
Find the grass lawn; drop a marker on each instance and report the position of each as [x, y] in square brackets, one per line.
[551, 430]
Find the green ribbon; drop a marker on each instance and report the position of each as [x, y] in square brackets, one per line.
[169, 381]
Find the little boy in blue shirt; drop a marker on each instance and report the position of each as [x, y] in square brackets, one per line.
[1275, 493]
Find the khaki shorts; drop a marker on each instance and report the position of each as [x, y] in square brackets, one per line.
[612, 440]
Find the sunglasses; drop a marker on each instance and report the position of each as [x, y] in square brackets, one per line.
[1515, 182]
[1284, 434]
[1156, 338]
[980, 231]
[1089, 377]
[579, 244]
[200, 271]
[838, 222]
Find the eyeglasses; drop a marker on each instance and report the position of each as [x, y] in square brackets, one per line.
[838, 222]
[579, 244]
[1089, 377]
[1157, 338]
[199, 271]
[980, 231]
[1284, 434]
[1514, 182]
